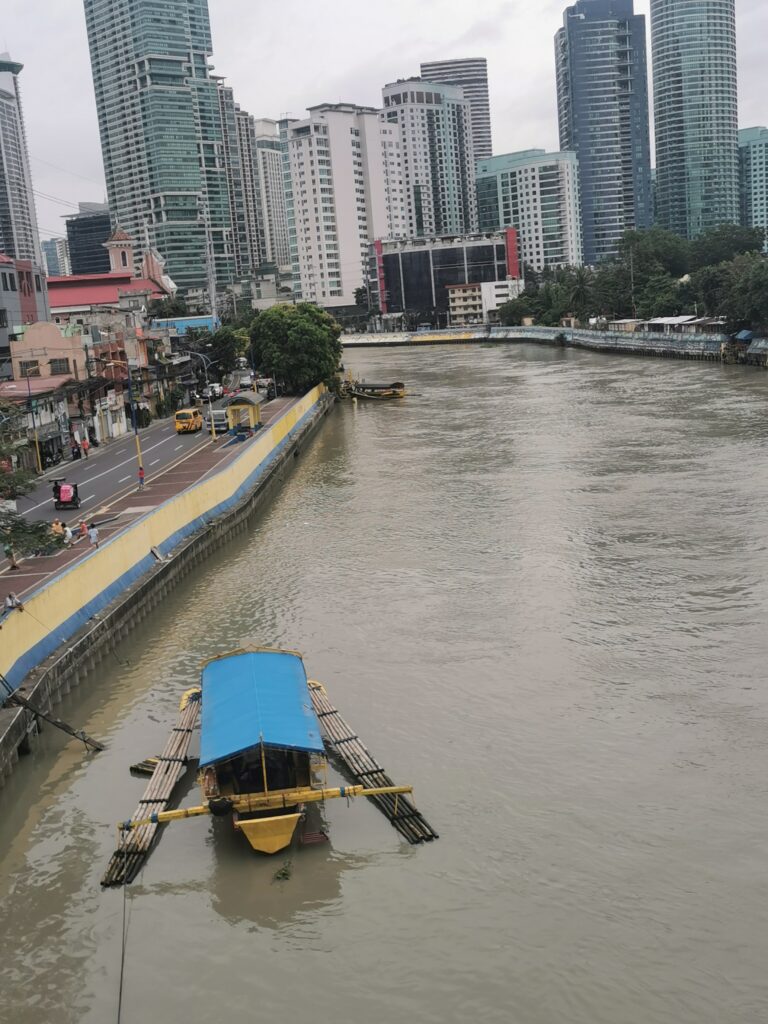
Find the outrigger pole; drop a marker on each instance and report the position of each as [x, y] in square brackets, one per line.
[14, 697]
[248, 802]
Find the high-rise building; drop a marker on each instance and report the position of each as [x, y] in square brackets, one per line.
[235, 161]
[87, 231]
[602, 105]
[56, 257]
[537, 193]
[162, 136]
[753, 178]
[271, 192]
[696, 115]
[438, 158]
[347, 190]
[472, 75]
[19, 237]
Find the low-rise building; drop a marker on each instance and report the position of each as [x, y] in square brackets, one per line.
[413, 275]
[479, 303]
[23, 301]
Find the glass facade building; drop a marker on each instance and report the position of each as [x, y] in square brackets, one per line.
[162, 137]
[602, 103]
[753, 178]
[537, 193]
[18, 221]
[87, 231]
[696, 114]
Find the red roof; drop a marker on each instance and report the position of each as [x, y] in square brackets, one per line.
[119, 235]
[17, 390]
[4, 258]
[96, 289]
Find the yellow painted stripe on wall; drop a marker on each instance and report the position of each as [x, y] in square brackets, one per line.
[57, 601]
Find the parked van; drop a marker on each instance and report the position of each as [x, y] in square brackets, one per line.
[220, 424]
[188, 421]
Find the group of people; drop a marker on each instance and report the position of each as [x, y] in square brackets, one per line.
[81, 531]
[80, 448]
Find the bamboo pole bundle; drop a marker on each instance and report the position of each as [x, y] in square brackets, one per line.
[360, 763]
[128, 858]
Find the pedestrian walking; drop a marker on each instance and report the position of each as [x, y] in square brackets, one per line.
[85, 444]
[8, 552]
[93, 535]
[75, 451]
[141, 478]
[69, 537]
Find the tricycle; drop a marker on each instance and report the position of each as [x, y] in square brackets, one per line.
[65, 495]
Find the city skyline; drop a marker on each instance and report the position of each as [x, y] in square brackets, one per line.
[515, 41]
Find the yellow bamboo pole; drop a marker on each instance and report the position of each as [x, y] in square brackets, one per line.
[249, 802]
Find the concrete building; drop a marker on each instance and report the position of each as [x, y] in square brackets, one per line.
[271, 192]
[438, 160]
[23, 301]
[19, 237]
[696, 114]
[87, 231]
[479, 303]
[236, 157]
[347, 190]
[56, 257]
[537, 193]
[161, 130]
[471, 73]
[602, 105]
[413, 275]
[753, 178]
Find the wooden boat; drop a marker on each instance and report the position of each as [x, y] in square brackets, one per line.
[259, 735]
[262, 760]
[377, 392]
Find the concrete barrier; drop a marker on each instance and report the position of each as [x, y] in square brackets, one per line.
[70, 623]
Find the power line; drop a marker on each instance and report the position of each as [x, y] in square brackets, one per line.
[57, 167]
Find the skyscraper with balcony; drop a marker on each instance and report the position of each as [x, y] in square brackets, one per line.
[471, 73]
[19, 237]
[696, 114]
[602, 105]
[162, 136]
[438, 158]
[753, 178]
[537, 193]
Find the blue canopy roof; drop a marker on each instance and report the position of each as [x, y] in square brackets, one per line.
[256, 697]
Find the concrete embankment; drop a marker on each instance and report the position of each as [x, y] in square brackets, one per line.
[708, 347]
[73, 621]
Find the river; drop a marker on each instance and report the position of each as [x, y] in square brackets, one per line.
[538, 588]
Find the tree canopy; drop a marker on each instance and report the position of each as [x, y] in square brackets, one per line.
[298, 345]
[20, 535]
[657, 273]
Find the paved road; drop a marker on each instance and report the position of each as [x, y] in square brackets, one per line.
[111, 470]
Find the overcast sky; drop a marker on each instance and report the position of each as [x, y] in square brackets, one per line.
[284, 55]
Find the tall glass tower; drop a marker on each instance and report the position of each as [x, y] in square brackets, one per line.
[602, 106]
[161, 131]
[695, 106]
[471, 73]
[18, 222]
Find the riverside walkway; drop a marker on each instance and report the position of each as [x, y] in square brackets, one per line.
[120, 509]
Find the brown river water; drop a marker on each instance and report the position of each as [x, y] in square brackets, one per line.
[538, 589]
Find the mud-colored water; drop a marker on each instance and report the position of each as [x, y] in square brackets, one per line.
[539, 592]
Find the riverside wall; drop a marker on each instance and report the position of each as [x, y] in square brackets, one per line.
[75, 619]
[709, 347]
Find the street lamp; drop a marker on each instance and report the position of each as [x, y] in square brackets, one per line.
[207, 361]
[134, 409]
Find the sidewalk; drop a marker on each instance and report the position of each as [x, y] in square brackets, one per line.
[124, 509]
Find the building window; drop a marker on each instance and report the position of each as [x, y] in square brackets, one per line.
[3, 317]
[59, 367]
[124, 258]
[29, 368]
[38, 286]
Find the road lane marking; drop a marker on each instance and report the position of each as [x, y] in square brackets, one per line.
[124, 478]
[105, 473]
[89, 498]
[154, 462]
[178, 446]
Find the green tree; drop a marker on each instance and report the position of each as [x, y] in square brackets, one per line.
[298, 344]
[652, 251]
[361, 297]
[661, 296]
[720, 245]
[161, 309]
[512, 313]
[745, 299]
[20, 536]
[226, 345]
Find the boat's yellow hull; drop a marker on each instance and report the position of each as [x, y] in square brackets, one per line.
[268, 835]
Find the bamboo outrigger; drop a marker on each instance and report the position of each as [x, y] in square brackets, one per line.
[261, 757]
[377, 392]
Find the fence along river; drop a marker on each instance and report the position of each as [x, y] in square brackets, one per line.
[539, 593]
